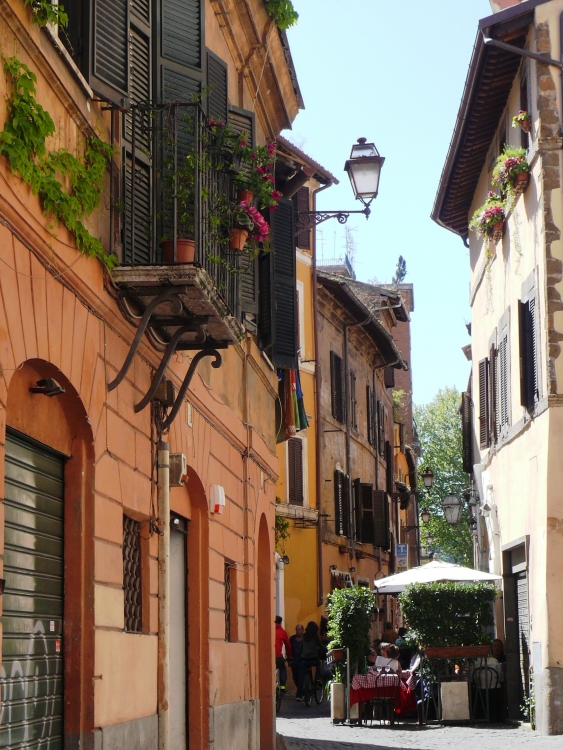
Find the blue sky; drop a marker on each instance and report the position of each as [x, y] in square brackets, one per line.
[394, 73]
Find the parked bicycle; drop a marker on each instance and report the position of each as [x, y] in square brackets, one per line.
[278, 692]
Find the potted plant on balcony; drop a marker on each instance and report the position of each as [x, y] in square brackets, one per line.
[512, 171]
[255, 180]
[248, 228]
[178, 195]
[523, 120]
[488, 219]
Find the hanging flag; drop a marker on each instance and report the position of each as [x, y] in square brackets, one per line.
[303, 421]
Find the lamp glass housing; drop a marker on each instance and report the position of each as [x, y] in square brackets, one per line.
[428, 478]
[425, 515]
[364, 169]
[452, 507]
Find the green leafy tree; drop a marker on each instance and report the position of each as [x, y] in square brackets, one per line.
[438, 425]
[350, 612]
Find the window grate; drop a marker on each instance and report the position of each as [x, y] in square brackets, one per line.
[132, 574]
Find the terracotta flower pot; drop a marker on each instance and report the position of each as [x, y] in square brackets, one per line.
[338, 653]
[498, 230]
[237, 239]
[185, 251]
[520, 182]
[526, 125]
[246, 195]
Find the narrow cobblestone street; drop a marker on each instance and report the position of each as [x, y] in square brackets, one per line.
[311, 729]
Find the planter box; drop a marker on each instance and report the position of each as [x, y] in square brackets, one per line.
[452, 652]
[337, 702]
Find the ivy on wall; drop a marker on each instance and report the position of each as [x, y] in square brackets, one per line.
[22, 142]
[283, 13]
[44, 13]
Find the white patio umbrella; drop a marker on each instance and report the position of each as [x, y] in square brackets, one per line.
[434, 571]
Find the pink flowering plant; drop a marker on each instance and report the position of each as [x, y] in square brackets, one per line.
[488, 216]
[510, 163]
[246, 216]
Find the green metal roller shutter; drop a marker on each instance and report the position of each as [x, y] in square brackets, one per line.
[31, 678]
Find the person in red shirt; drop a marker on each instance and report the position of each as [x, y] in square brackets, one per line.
[281, 641]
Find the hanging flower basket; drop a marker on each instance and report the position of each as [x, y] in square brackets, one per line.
[497, 232]
[523, 120]
[245, 195]
[488, 220]
[520, 183]
[510, 166]
[238, 238]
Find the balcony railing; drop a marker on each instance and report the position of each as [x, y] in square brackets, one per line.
[178, 185]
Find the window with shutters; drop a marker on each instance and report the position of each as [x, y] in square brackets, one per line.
[371, 416]
[357, 509]
[367, 514]
[302, 204]
[277, 299]
[503, 361]
[529, 376]
[380, 428]
[467, 432]
[381, 532]
[484, 401]
[337, 387]
[353, 402]
[132, 575]
[389, 471]
[493, 395]
[341, 504]
[295, 471]
[217, 85]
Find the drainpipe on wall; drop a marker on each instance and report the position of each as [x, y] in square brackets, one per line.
[163, 499]
[318, 446]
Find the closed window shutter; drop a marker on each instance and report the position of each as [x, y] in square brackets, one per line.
[368, 518]
[467, 431]
[217, 98]
[107, 61]
[353, 404]
[381, 520]
[380, 428]
[389, 377]
[277, 298]
[503, 382]
[242, 121]
[337, 387]
[369, 407]
[389, 474]
[529, 391]
[295, 470]
[357, 506]
[341, 503]
[493, 396]
[484, 399]
[301, 201]
[181, 31]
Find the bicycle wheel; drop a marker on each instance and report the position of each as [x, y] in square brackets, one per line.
[308, 690]
[319, 692]
[278, 699]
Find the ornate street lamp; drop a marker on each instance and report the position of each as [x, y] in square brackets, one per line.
[364, 169]
[425, 515]
[428, 478]
[452, 507]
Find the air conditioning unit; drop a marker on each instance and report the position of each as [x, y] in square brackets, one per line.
[178, 469]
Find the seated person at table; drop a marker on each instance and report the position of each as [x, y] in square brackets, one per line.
[376, 651]
[405, 651]
[389, 657]
[497, 650]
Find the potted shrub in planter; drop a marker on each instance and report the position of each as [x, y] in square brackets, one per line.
[350, 613]
[182, 187]
[523, 120]
[488, 219]
[512, 171]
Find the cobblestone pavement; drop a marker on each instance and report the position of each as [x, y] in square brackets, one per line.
[311, 729]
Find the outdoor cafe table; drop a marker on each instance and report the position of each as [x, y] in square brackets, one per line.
[363, 689]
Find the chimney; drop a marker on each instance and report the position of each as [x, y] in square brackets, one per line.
[498, 5]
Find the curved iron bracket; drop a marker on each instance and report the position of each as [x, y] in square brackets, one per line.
[153, 304]
[170, 349]
[188, 379]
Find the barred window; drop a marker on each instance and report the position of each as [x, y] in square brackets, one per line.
[132, 574]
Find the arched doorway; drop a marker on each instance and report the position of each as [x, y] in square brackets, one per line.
[49, 536]
[265, 611]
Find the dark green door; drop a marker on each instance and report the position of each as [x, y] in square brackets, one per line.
[31, 678]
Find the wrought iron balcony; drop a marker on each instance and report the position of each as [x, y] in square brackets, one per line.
[177, 184]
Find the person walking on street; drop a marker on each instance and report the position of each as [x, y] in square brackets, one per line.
[296, 649]
[281, 641]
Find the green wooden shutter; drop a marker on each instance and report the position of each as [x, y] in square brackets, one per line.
[346, 506]
[181, 24]
[277, 293]
[493, 395]
[338, 503]
[107, 58]
[381, 532]
[295, 470]
[302, 204]
[357, 508]
[369, 406]
[337, 394]
[353, 403]
[368, 518]
[529, 391]
[467, 432]
[484, 402]
[389, 474]
[217, 98]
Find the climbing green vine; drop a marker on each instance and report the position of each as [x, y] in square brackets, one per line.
[22, 142]
[44, 12]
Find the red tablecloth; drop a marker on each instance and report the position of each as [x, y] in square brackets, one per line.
[363, 689]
